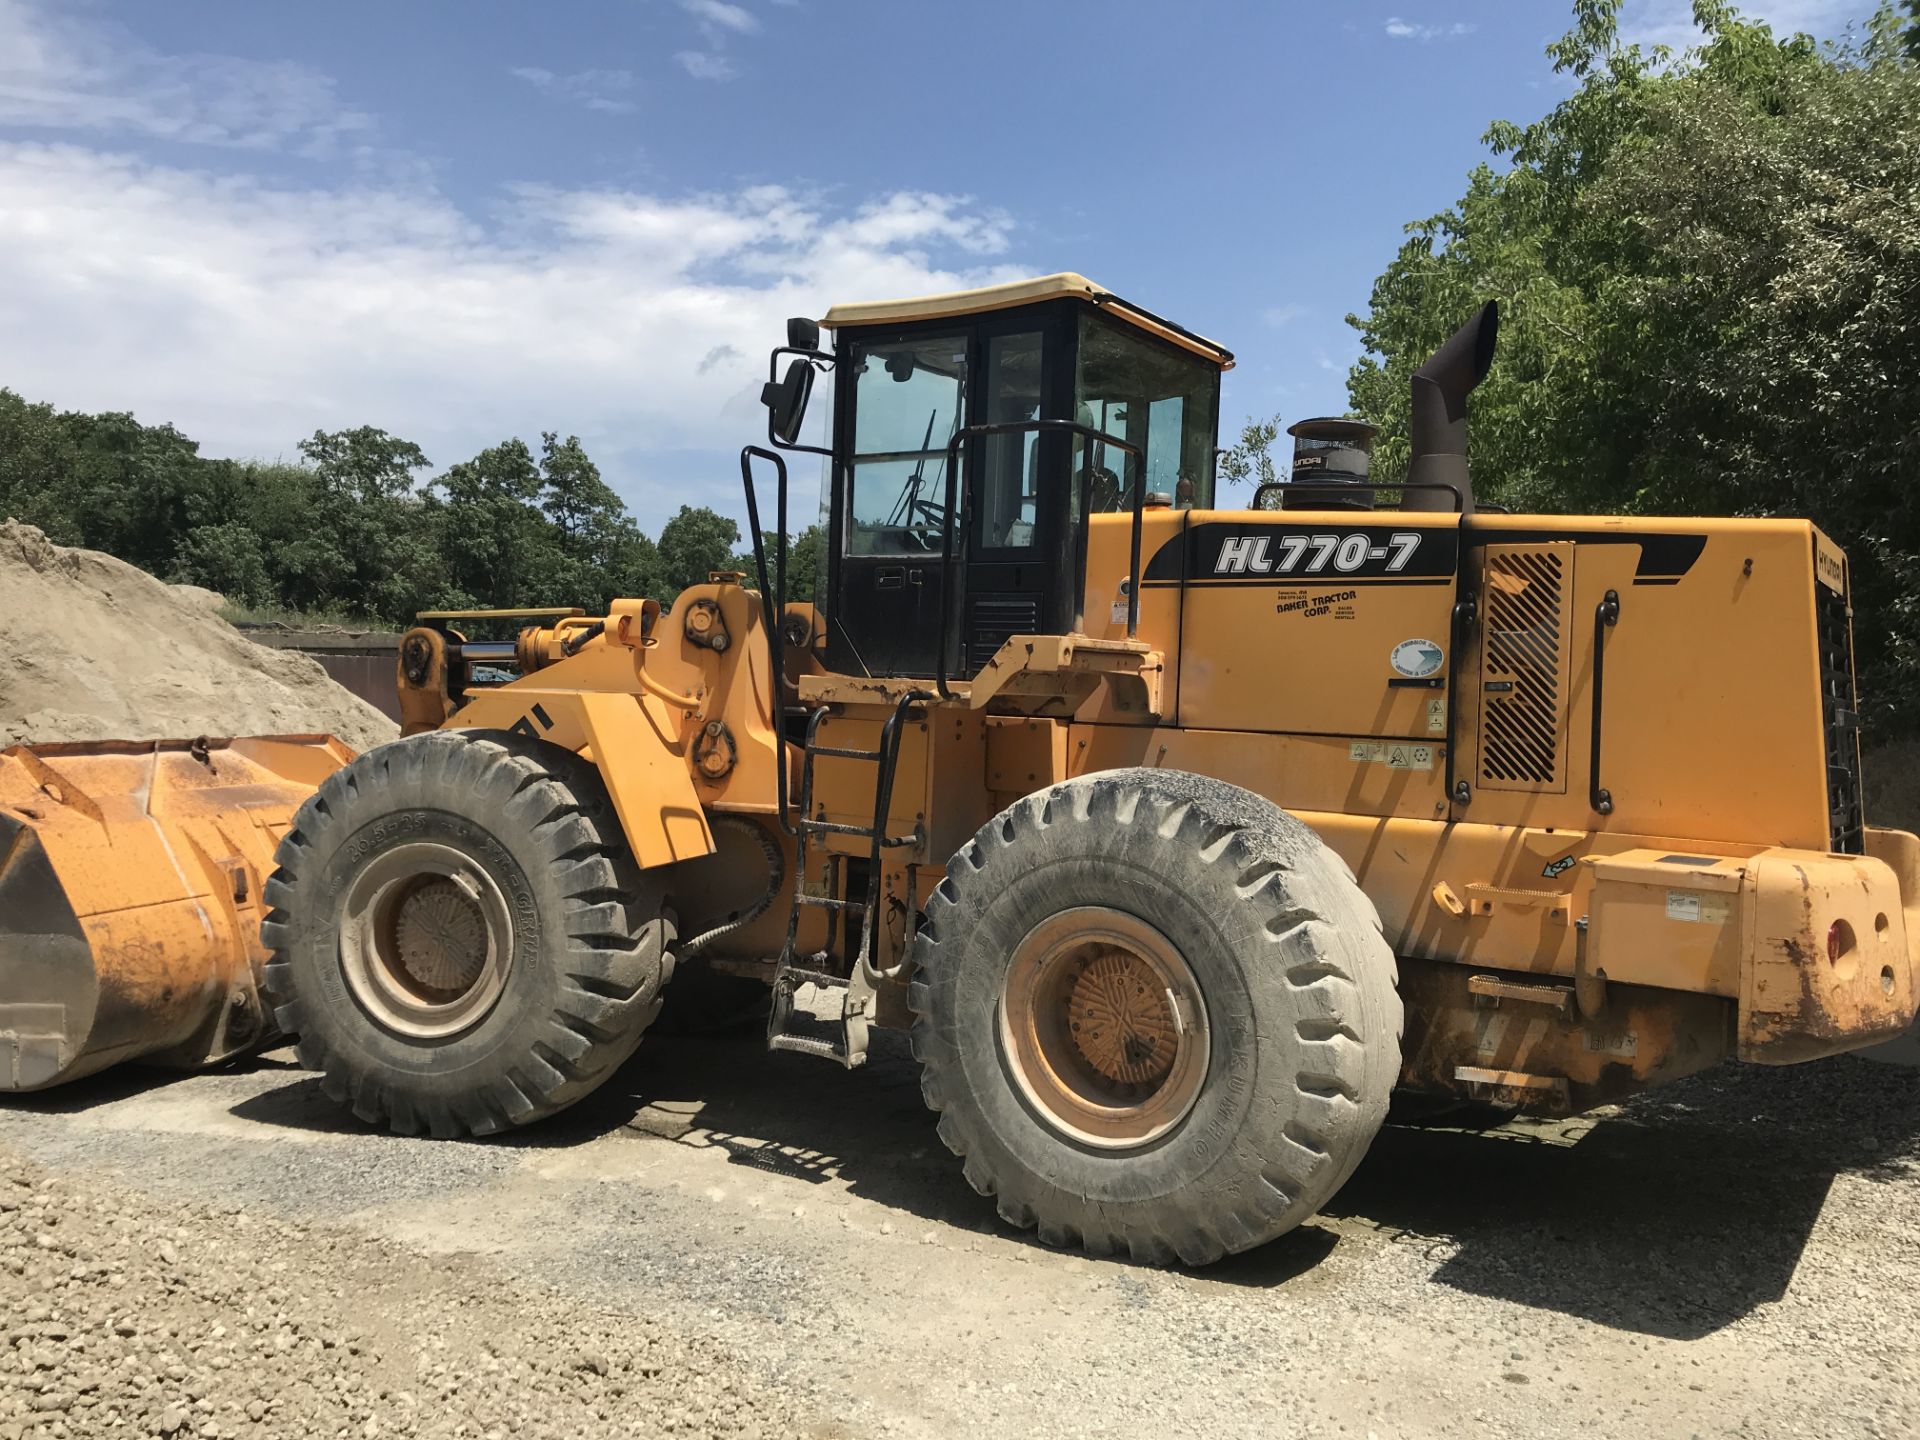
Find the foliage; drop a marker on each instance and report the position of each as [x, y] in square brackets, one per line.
[1250, 458]
[694, 544]
[355, 531]
[806, 563]
[1709, 276]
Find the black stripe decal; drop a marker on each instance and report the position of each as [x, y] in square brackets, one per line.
[1234, 552]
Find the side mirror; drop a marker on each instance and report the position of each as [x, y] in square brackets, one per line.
[803, 334]
[786, 400]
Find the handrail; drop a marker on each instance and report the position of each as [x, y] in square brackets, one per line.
[889, 762]
[1370, 486]
[1605, 614]
[774, 614]
[1466, 612]
[1020, 427]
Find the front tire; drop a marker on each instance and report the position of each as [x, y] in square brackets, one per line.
[1155, 1014]
[461, 941]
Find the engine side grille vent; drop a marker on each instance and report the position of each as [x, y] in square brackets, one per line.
[1525, 591]
[992, 618]
[1840, 719]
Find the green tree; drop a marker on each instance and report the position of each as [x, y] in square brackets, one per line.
[806, 563]
[386, 531]
[36, 467]
[1249, 460]
[227, 557]
[603, 555]
[695, 542]
[500, 550]
[1709, 272]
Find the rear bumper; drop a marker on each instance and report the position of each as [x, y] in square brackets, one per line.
[1815, 949]
[1830, 963]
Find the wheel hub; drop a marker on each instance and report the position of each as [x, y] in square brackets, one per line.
[1123, 1023]
[1103, 1028]
[441, 936]
[426, 940]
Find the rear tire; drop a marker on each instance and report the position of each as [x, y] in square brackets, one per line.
[462, 943]
[1156, 1015]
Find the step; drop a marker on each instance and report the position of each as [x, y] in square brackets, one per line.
[807, 1045]
[827, 902]
[799, 975]
[839, 754]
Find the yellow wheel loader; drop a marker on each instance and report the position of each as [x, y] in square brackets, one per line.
[1177, 836]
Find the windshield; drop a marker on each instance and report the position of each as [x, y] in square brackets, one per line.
[911, 396]
[1162, 400]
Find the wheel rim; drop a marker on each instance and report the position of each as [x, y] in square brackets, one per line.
[426, 940]
[1103, 1027]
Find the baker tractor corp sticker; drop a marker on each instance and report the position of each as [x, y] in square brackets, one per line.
[1394, 754]
[1311, 606]
[1417, 659]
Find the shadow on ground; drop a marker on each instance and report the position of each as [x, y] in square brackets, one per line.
[1674, 1215]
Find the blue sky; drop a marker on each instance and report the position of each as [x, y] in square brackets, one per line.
[464, 219]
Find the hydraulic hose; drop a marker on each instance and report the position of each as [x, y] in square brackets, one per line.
[776, 873]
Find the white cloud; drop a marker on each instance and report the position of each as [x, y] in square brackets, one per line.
[252, 311]
[251, 314]
[718, 22]
[721, 16]
[1400, 29]
[702, 65]
[1670, 22]
[1279, 316]
[602, 90]
[60, 72]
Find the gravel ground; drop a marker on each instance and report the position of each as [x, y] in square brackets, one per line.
[184, 1319]
[747, 1240]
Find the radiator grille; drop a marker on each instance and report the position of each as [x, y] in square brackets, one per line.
[1523, 670]
[992, 618]
[1833, 633]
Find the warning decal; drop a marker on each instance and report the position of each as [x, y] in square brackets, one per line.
[1394, 754]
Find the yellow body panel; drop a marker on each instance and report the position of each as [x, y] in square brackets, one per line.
[676, 723]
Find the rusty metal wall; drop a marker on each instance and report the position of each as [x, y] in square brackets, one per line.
[368, 676]
[363, 663]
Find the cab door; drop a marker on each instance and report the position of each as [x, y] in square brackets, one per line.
[1019, 531]
[909, 395]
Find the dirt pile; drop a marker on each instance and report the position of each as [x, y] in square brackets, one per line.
[92, 648]
[125, 1317]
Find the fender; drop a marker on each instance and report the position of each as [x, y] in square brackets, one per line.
[639, 758]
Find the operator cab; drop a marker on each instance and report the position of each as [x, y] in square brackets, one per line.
[913, 378]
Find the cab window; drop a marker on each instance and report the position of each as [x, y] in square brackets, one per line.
[1161, 400]
[1007, 516]
[910, 397]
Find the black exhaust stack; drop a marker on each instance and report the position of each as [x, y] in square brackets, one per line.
[1439, 429]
